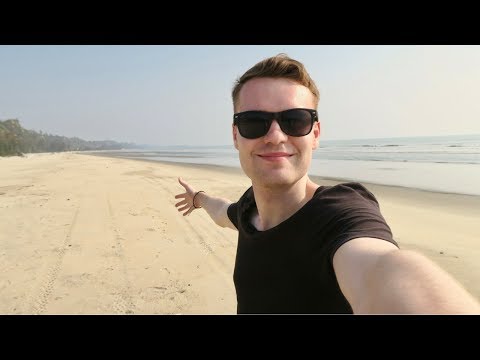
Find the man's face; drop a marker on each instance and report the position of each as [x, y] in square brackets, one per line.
[276, 159]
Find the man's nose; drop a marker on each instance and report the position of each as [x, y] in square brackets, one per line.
[275, 135]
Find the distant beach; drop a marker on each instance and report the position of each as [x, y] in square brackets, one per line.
[82, 234]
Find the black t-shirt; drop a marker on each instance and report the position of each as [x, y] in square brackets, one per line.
[289, 268]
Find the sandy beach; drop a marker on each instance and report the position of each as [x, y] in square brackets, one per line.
[84, 234]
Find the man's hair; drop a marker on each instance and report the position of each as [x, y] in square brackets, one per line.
[279, 66]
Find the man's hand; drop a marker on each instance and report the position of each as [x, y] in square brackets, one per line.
[215, 207]
[187, 198]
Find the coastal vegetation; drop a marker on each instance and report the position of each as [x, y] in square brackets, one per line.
[16, 140]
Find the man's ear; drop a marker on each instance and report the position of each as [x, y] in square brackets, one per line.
[316, 134]
[234, 134]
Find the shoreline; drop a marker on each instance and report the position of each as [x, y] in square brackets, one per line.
[436, 176]
[315, 178]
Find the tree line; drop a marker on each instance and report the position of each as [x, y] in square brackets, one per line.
[15, 140]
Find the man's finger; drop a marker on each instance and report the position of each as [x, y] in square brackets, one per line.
[181, 203]
[189, 211]
[180, 180]
[184, 208]
[184, 184]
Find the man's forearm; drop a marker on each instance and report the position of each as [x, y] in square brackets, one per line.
[216, 208]
[409, 283]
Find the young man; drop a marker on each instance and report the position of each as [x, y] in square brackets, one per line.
[305, 248]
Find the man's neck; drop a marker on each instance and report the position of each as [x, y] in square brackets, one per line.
[276, 204]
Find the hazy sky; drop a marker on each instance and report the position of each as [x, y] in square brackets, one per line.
[181, 95]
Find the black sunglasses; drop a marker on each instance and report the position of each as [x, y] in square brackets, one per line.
[293, 122]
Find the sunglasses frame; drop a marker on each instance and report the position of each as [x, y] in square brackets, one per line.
[275, 116]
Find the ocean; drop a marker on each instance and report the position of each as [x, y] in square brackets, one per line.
[439, 163]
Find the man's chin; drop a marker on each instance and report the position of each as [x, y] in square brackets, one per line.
[274, 180]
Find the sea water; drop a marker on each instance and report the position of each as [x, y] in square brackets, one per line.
[445, 164]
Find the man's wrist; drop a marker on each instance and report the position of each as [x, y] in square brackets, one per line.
[194, 196]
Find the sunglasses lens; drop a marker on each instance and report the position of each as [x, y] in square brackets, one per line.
[253, 125]
[296, 122]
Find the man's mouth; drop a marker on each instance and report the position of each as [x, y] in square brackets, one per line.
[274, 156]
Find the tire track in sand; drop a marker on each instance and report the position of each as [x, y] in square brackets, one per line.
[123, 303]
[38, 302]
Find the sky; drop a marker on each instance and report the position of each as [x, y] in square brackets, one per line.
[181, 95]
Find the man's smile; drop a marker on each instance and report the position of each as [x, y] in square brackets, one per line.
[274, 156]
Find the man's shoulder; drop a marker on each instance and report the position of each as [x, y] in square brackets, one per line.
[246, 199]
[344, 192]
[345, 187]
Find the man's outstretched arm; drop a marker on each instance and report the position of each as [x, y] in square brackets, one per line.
[215, 207]
[378, 278]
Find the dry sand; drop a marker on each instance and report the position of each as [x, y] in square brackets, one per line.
[83, 234]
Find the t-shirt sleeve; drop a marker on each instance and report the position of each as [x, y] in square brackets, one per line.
[357, 214]
[236, 208]
[232, 212]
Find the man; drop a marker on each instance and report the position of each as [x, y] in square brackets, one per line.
[305, 248]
